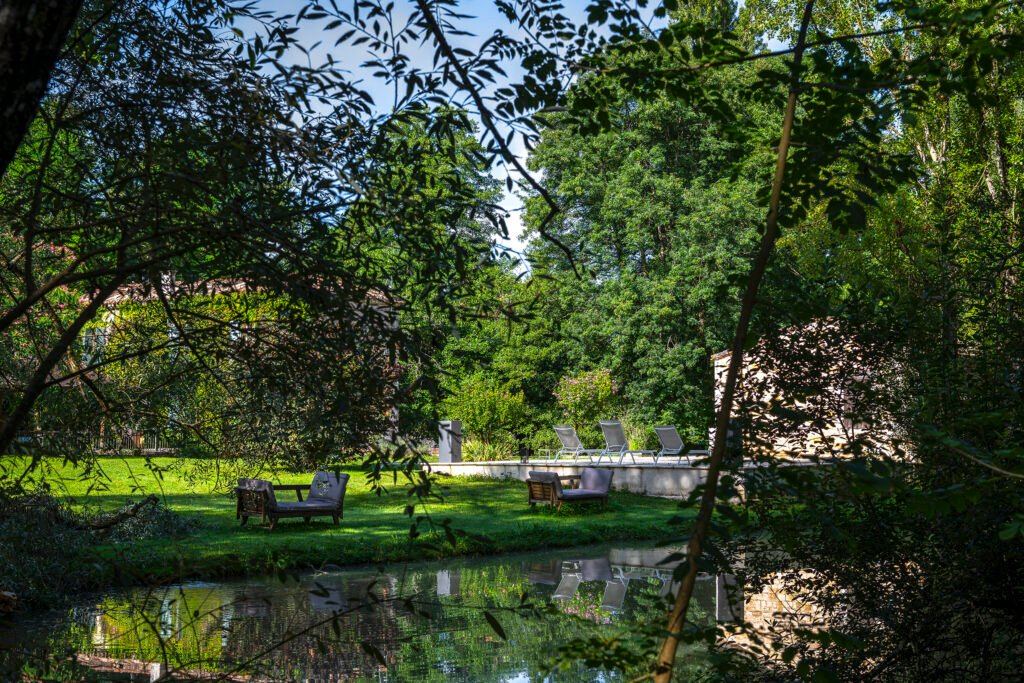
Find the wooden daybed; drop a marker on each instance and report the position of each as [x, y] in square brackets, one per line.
[255, 498]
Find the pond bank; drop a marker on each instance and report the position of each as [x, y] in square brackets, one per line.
[484, 516]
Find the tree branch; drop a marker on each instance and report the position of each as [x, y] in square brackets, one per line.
[105, 522]
[677, 617]
[488, 121]
[38, 383]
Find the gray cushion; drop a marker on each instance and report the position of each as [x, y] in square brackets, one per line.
[310, 505]
[547, 478]
[571, 494]
[596, 479]
[260, 485]
[328, 488]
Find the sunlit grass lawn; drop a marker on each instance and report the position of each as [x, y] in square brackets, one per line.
[493, 514]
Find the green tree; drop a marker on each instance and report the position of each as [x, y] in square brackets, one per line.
[663, 225]
[207, 168]
[887, 126]
[831, 151]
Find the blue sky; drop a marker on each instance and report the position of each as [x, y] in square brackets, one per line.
[484, 20]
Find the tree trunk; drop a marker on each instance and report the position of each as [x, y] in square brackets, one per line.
[32, 33]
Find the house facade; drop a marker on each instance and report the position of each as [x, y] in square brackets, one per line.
[232, 329]
[815, 391]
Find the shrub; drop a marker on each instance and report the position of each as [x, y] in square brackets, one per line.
[639, 436]
[488, 409]
[46, 548]
[544, 439]
[501, 447]
[587, 398]
[44, 553]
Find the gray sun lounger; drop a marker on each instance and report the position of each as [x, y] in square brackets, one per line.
[672, 444]
[571, 444]
[616, 443]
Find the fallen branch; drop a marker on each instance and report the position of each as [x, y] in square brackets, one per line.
[105, 522]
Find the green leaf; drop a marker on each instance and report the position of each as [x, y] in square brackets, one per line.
[495, 625]
[374, 652]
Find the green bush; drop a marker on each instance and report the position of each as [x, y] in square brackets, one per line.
[587, 398]
[543, 439]
[44, 553]
[639, 436]
[501, 447]
[46, 548]
[489, 410]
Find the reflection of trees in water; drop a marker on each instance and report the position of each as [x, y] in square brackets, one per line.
[181, 626]
[279, 632]
[425, 624]
[318, 631]
[462, 646]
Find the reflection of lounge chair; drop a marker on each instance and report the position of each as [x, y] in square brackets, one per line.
[545, 572]
[571, 444]
[614, 595]
[616, 443]
[546, 487]
[596, 570]
[567, 587]
[326, 497]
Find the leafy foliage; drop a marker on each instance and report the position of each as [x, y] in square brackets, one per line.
[587, 397]
[45, 553]
[487, 409]
[880, 142]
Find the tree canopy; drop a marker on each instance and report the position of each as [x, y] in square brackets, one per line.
[699, 178]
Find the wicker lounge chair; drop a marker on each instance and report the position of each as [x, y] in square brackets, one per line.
[571, 444]
[255, 498]
[546, 487]
[616, 443]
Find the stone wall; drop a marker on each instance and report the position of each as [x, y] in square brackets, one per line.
[666, 480]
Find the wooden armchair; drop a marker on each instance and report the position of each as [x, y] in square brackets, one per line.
[255, 498]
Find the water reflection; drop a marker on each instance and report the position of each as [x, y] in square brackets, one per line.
[422, 623]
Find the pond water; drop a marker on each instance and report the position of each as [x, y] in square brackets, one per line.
[422, 622]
